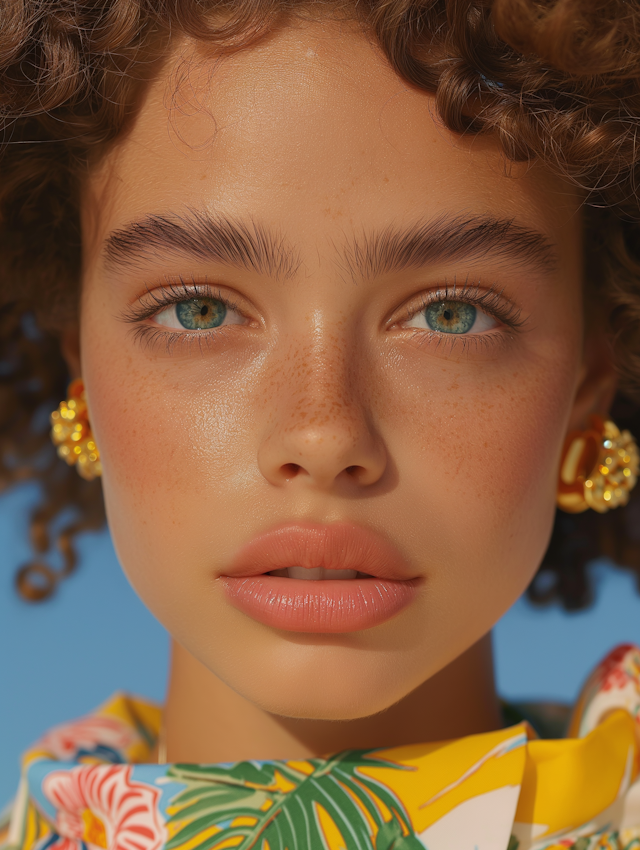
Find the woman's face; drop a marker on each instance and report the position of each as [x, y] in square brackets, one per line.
[319, 330]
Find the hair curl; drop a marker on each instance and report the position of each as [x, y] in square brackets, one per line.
[557, 81]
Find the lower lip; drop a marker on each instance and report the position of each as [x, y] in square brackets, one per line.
[328, 607]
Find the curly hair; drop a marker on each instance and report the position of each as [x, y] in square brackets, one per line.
[556, 81]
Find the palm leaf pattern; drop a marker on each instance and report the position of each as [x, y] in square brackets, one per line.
[316, 804]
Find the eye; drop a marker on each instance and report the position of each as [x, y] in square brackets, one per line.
[198, 314]
[452, 317]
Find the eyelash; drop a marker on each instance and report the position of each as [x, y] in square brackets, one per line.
[173, 293]
[489, 300]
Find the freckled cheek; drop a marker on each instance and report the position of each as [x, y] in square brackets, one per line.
[482, 448]
[499, 447]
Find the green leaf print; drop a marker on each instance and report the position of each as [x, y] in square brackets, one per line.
[390, 837]
[316, 804]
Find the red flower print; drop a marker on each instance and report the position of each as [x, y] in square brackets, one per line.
[615, 683]
[64, 741]
[101, 805]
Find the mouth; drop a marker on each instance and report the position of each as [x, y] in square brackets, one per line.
[320, 578]
[317, 574]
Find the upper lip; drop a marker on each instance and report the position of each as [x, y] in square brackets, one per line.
[334, 546]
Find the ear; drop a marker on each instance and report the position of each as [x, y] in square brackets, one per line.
[598, 382]
[70, 347]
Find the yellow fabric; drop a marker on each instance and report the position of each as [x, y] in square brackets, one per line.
[86, 785]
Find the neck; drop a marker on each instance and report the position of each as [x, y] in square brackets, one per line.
[207, 722]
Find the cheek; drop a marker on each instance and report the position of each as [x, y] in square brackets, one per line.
[477, 447]
[175, 445]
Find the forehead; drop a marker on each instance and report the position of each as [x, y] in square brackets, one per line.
[312, 132]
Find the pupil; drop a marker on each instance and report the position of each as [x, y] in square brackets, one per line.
[204, 310]
[448, 315]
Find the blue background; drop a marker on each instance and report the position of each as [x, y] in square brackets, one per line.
[64, 657]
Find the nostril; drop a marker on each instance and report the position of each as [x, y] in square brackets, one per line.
[353, 470]
[290, 470]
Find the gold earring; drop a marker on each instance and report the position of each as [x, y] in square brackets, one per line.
[599, 468]
[71, 433]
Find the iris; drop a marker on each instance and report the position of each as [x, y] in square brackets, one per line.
[201, 314]
[450, 317]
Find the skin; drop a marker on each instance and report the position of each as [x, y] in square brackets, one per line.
[323, 404]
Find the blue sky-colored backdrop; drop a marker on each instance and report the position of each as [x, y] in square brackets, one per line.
[60, 659]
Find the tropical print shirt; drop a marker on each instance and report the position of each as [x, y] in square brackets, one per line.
[86, 786]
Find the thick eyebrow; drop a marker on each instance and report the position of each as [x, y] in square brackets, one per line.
[447, 238]
[196, 234]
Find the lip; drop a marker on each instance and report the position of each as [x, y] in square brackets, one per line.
[329, 606]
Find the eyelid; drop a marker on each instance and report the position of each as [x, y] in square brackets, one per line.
[153, 301]
[489, 300]
[153, 334]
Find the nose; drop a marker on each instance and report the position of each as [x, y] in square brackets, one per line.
[322, 430]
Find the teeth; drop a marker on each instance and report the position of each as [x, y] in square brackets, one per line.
[340, 574]
[315, 573]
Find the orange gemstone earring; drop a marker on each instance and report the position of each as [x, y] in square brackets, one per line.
[71, 433]
[599, 468]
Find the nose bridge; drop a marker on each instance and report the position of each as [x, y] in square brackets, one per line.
[321, 383]
[322, 426]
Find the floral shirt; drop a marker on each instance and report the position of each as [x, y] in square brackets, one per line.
[85, 786]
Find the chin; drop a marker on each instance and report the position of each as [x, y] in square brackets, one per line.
[326, 691]
[329, 705]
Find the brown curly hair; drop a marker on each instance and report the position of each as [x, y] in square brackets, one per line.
[556, 81]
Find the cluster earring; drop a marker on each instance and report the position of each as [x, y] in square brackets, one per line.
[71, 433]
[599, 468]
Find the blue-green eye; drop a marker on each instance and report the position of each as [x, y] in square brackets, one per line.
[452, 317]
[198, 314]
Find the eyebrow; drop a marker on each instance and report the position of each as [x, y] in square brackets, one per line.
[196, 234]
[251, 246]
[447, 238]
